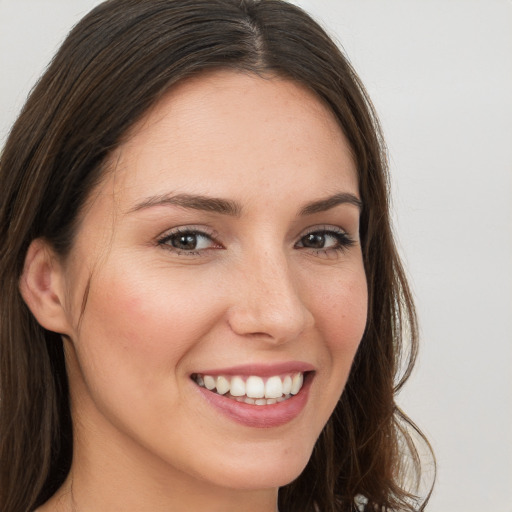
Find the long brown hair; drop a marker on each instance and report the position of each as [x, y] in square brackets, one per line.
[115, 64]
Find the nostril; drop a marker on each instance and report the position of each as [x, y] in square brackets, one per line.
[269, 308]
[259, 335]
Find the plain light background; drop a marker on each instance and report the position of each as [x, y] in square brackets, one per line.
[440, 75]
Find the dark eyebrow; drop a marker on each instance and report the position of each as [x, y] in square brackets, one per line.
[195, 202]
[327, 203]
[232, 208]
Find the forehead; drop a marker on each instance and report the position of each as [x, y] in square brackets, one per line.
[225, 132]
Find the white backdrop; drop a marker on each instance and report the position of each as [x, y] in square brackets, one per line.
[440, 75]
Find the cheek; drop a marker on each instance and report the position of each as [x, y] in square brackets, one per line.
[341, 307]
[139, 324]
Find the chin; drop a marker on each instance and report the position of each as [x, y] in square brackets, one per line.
[263, 472]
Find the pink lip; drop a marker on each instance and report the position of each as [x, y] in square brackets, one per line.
[259, 416]
[262, 370]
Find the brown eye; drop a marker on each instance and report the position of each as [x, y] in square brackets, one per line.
[188, 241]
[325, 240]
[314, 241]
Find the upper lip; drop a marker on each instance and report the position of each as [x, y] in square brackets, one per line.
[262, 370]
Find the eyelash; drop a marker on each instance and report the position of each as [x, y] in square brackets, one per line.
[343, 241]
[166, 240]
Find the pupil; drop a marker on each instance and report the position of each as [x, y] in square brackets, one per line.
[186, 242]
[315, 240]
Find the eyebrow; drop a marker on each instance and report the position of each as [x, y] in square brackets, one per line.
[194, 202]
[327, 203]
[234, 209]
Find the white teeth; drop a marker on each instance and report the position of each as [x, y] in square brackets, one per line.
[237, 386]
[222, 385]
[255, 387]
[253, 390]
[298, 379]
[209, 382]
[274, 388]
[287, 385]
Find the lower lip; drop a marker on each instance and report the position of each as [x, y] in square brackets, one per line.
[260, 416]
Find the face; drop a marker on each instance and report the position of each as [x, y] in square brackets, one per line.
[226, 289]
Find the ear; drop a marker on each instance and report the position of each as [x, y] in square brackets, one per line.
[41, 286]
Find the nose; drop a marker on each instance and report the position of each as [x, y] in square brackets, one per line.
[268, 303]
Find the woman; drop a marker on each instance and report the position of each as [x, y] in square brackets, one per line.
[202, 304]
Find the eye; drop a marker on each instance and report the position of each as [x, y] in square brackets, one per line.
[188, 241]
[326, 239]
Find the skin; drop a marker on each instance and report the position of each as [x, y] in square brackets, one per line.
[145, 439]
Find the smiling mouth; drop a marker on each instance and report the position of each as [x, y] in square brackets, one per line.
[253, 389]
